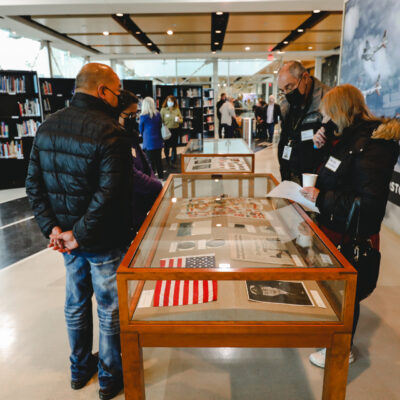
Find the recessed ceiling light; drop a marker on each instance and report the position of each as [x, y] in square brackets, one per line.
[14, 33]
[316, 11]
[149, 44]
[285, 42]
[309, 47]
[105, 33]
[120, 15]
[170, 32]
[218, 31]
[247, 48]
[219, 12]
[138, 32]
[300, 30]
[275, 72]
[216, 43]
[213, 52]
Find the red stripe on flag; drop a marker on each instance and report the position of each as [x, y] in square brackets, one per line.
[162, 263]
[205, 291]
[195, 292]
[166, 293]
[171, 262]
[176, 293]
[215, 288]
[179, 262]
[157, 291]
[186, 293]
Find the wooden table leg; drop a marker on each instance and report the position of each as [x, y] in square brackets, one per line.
[132, 366]
[336, 367]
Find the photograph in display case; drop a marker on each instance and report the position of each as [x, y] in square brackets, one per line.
[259, 249]
[279, 292]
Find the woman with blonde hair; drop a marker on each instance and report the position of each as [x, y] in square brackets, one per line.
[150, 129]
[361, 151]
[171, 118]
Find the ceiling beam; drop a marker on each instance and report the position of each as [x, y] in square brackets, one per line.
[219, 23]
[26, 20]
[309, 23]
[125, 21]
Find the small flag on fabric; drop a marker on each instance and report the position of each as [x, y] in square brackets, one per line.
[179, 293]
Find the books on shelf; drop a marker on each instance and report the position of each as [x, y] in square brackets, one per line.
[191, 92]
[208, 103]
[210, 119]
[188, 124]
[46, 105]
[4, 130]
[47, 88]
[11, 149]
[30, 108]
[28, 128]
[12, 84]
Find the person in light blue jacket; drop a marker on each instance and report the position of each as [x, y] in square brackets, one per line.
[150, 128]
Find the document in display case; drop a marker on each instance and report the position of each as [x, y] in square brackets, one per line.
[218, 264]
[217, 156]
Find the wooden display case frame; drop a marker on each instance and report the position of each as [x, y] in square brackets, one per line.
[333, 335]
[230, 155]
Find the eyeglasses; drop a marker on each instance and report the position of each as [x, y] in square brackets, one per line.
[289, 87]
[129, 115]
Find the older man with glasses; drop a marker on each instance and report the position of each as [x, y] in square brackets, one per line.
[301, 118]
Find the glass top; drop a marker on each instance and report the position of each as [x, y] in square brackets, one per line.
[227, 223]
[217, 146]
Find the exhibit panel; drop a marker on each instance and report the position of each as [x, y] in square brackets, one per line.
[218, 264]
[217, 156]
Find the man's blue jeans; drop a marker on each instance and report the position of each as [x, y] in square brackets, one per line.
[88, 273]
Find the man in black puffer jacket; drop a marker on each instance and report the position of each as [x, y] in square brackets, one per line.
[79, 184]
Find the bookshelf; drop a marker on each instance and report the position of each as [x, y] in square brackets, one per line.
[208, 112]
[190, 100]
[56, 93]
[20, 116]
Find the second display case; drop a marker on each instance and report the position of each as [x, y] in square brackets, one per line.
[217, 156]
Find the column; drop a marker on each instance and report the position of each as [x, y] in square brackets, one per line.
[318, 68]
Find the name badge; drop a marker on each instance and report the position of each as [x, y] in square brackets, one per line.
[333, 164]
[167, 115]
[287, 151]
[307, 135]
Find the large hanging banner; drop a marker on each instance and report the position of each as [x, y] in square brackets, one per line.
[370, 60]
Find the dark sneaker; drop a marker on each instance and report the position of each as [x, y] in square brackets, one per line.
[80, 383]
[111, 391]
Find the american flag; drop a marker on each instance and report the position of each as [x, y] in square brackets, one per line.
[179, 293]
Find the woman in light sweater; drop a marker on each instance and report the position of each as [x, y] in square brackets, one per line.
[171, 118]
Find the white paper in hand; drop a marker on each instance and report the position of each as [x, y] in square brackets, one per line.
[291, 191]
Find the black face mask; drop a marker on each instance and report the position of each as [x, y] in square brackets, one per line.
[114, 111]
[330, 129]
[130, 126]
[294, 97]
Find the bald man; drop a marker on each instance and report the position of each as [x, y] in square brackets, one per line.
[301, 118]
[79, 185]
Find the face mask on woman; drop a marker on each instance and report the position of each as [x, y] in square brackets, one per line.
[170, 103]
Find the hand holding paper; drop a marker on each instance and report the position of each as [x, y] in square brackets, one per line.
[291, 191]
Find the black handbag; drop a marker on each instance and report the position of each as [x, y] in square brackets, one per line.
[364, 258]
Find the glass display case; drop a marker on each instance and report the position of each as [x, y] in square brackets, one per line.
[205, 156]
[217, 264]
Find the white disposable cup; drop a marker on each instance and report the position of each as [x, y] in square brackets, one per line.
[309, 180]
[176, 119]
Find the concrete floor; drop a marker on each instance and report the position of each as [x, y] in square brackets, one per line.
[34, 348]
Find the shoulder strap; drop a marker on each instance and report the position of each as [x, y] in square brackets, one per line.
[354, 208]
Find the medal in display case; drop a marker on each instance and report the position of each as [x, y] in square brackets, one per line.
[218, 264]
[205, 156]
